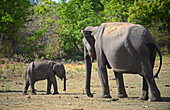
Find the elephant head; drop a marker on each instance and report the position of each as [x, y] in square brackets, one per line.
[89, 42]
[89, 53]
[59, 72]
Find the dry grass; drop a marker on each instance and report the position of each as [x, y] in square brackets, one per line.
[75, 98]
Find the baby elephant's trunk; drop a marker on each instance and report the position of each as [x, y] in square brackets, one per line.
[64, 82]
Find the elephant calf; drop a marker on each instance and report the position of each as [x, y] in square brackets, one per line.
[44, 69]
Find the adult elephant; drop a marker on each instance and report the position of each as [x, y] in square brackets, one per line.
[125, 47]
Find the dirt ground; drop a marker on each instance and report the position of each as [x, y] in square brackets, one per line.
[74, 98]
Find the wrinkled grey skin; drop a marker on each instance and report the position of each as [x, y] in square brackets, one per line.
[126, 48]
[41, 70]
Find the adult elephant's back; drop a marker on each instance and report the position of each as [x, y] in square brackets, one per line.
[122, 45]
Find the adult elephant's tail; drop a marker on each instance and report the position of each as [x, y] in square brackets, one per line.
[159, 52]
[160, 65]
[151, 39]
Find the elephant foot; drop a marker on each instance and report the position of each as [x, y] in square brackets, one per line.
[48, 93]
[122, 96]
[55, 93]
[143, 98]
[152, 99]
[33, 93]
[24, 93]
[90, 95]
[144, 95]
[105, 96]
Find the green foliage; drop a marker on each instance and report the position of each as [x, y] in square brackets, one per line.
[79, 57]
[55, 30]
[117, 10]
[46, 10]
[65, 20]
[145, 12]
[13, 15]
[33, 45]
[74, 16]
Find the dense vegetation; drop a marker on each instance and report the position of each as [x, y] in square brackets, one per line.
[49, 30]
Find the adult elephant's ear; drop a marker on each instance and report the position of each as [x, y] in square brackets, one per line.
[90, 31]
[89, 42]
[86, 33]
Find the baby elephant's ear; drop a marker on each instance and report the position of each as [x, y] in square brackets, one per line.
[51, 63]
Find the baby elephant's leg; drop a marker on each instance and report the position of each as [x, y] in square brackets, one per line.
[26, 86]
[54, 81]
[48, 86]
[32, 82]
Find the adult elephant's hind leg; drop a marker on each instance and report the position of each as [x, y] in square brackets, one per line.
[120, 85]
[155, 93]
[144, 94]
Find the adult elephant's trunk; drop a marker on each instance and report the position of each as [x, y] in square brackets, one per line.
[88, 65]
[64, 82]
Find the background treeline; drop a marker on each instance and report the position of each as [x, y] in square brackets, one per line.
[49, 30]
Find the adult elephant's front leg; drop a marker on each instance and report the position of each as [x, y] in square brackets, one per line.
[120, 85]
[88, 65]
[102, 71]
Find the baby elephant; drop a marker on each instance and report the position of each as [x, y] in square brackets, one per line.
[44, 69]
